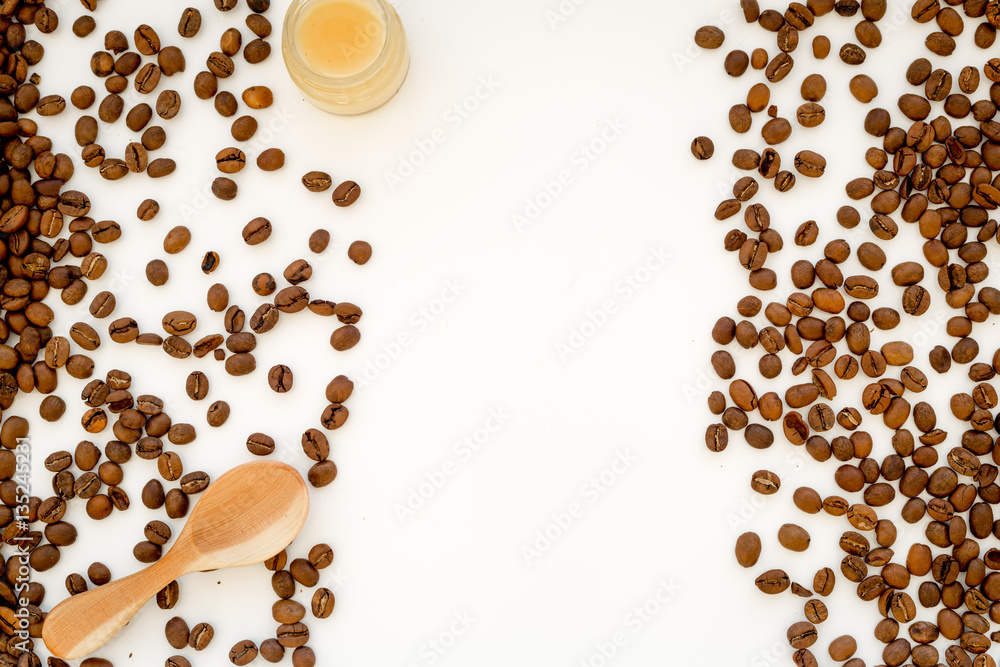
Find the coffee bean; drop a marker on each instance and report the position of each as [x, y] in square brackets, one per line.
[348, 336]
[260, 444]
[346, 193]
[793, 537]
[709, 37]
[816, 611]
[271, 650]
[230, 160]
[256, 51]
[843, 647]
[810, 164]
[360, 252]
[292, 635]
[277, 562]
[298, 271]
[283, 584]
[243, 652]
[802, 635]
[271, 159]
[322, 473]
[244, 128]
[748, 548]
[177, 633]
[231, 42]
[773, 582]
[702, 148]
[224, 188]
[256, 231]
[171, 61]
[279, 378]
[218, 413]
[201, 636]
[160, 167]
[288, 611]
[320, 181]
[197, 386]
[765, 482]
[779, 67]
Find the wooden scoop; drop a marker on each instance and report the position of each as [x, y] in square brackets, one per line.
[246, 516]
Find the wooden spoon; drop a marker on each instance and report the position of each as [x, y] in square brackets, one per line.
[246, 516]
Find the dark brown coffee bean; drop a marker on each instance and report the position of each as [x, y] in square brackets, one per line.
[279, 378]
[224, 188]
[201, 636]
[260, 444]
[256, 51]
[802, 635]
[322, 474]
[323, 602]
[702, 148]
[177, 633]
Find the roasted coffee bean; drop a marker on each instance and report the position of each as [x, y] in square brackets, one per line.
[256, 231]
[260, 444]
[702, 148]
[271, 650]
[177, 633]
[793, 537]
[226, 104]
[224, 188]
[359, 252]
[773, 582]
[323, 602]
[802, 635]
[709, 37]
[244, 128]
[201, 636]
[346, 193]
[322, 474]
[256, 51]
[271, 159]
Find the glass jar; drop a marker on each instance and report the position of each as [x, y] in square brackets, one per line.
[347, 56]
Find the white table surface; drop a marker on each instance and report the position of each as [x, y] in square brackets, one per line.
[535, 345]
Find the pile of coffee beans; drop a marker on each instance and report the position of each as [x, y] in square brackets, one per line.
[47, 242]
[934, 176]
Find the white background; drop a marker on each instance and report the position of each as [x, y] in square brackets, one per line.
[501, 101]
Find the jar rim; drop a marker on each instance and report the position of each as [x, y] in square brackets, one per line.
[384, 12]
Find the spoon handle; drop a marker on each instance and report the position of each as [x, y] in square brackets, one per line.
[83, 623]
